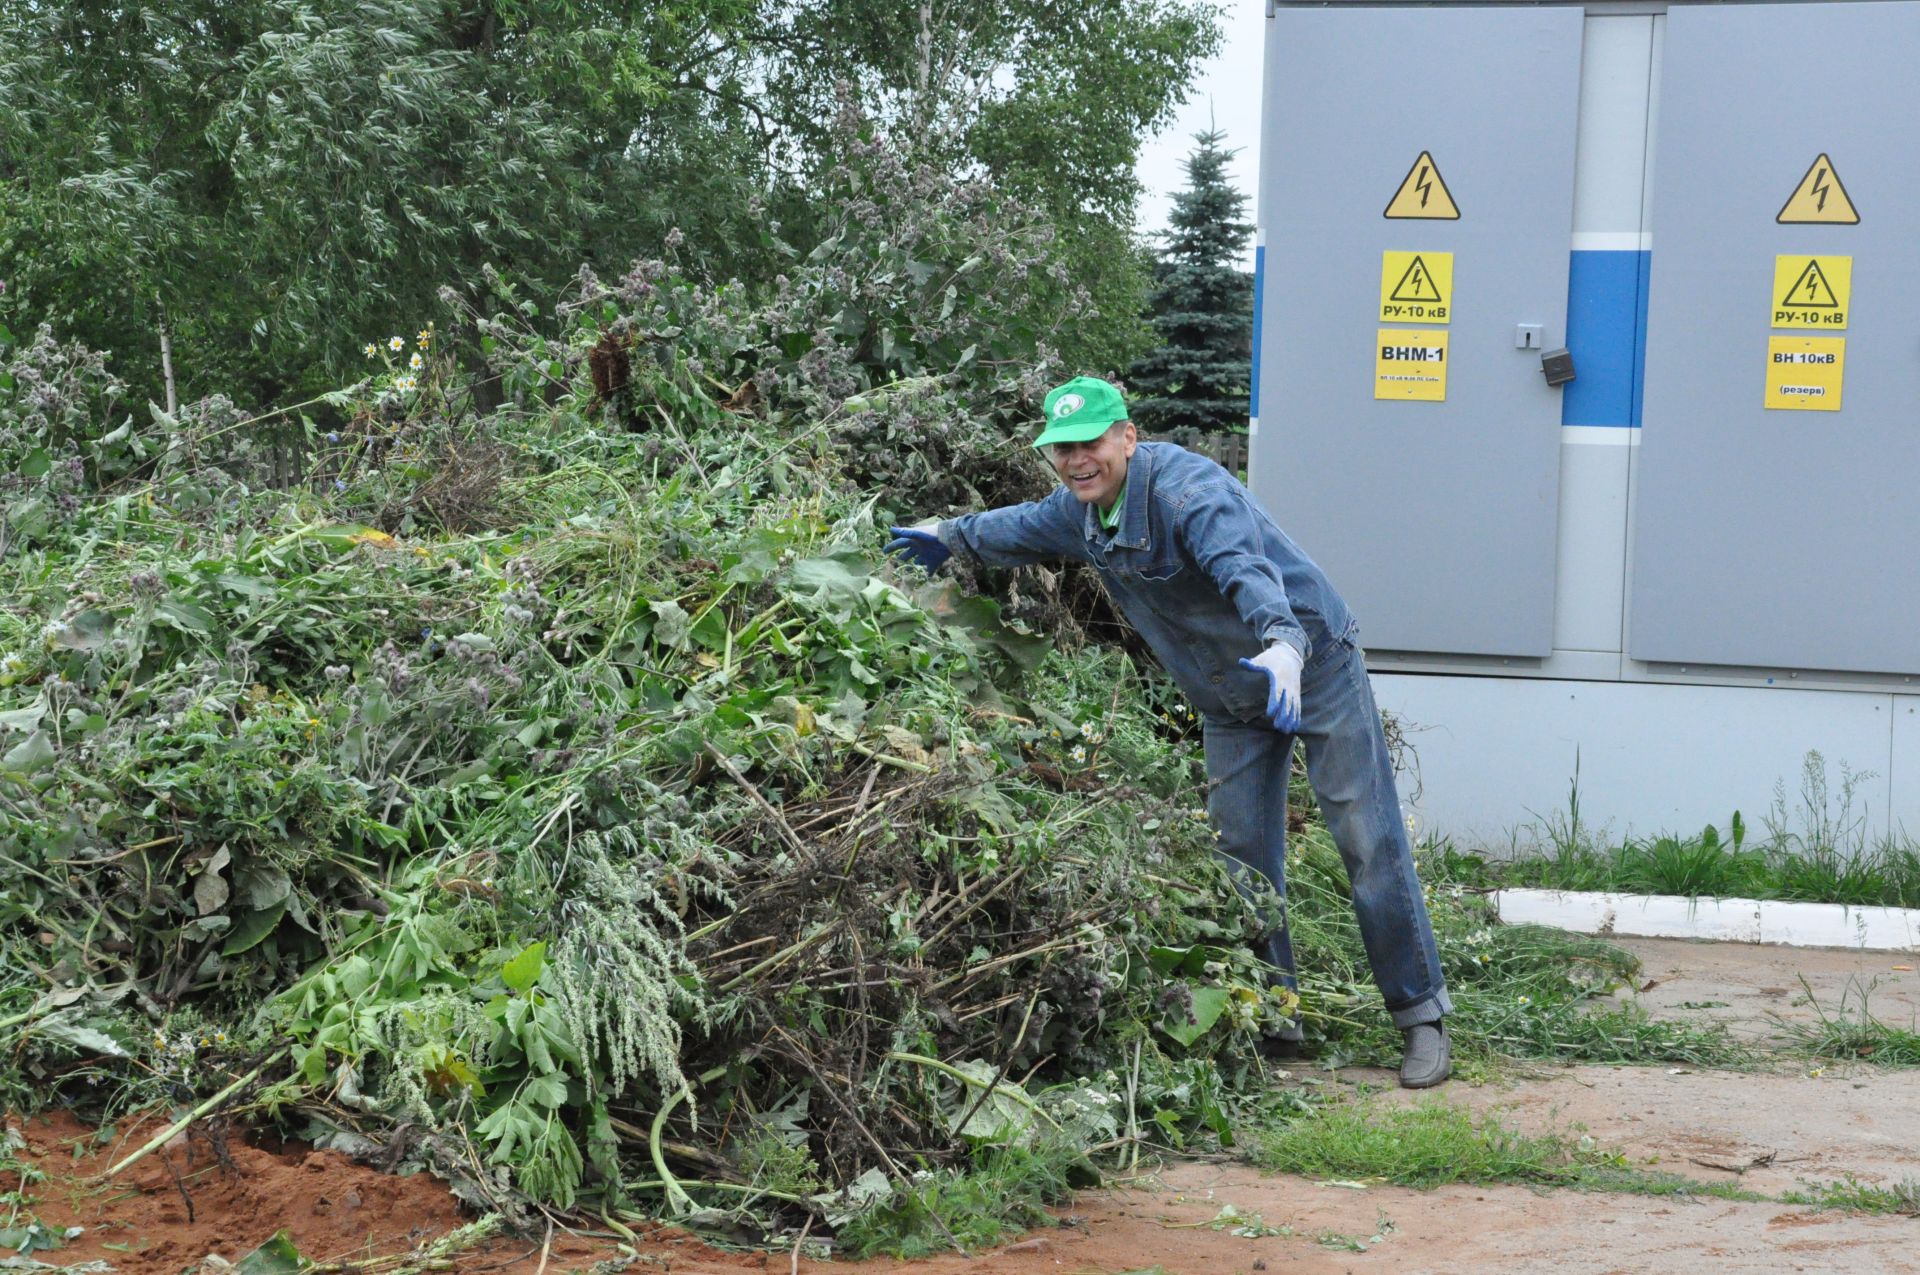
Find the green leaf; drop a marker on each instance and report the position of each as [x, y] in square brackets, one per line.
[26, 718]
[504, 1128]
[210, 889]
[672, 625]
[277, 1256]
[37, 463]
[206, 927]
[548, 1090]
[261, 885]
[999, 1117]
[841, 576]
[710, 630]
[189, 617]
[311, 1062]
[981, 617]
[252, 928]
[1208, 1004]
[33, 1238]
[35, 752]
[1191, 961]
[1166, 960]
[523, 971]
[249, 586]
[386, 835]
[85, 1039]
[88, 631]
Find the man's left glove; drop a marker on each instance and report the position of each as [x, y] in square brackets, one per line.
[920, 547]
[1281, 663]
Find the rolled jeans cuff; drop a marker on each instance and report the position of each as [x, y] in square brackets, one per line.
[1431, 1010]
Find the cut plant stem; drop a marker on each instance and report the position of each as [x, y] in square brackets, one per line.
[1017, 1095]
[785, 953]
[173, 1130]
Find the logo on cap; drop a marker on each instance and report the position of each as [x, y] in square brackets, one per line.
[1067, 405]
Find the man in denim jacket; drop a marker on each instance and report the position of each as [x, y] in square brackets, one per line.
[1266, 650]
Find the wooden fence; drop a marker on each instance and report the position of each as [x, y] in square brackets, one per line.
[1229, 450]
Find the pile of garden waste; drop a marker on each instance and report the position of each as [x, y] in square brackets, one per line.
[522, 765]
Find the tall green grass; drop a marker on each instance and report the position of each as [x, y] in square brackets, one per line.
[1816, 848]
[1436, 1143]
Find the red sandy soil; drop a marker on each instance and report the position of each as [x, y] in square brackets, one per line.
[1766, 1130]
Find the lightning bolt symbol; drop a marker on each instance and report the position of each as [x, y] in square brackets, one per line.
[1819, 189]
[1424, 186]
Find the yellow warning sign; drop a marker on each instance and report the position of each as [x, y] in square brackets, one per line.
[1804, 372]
[1416, 287]
[1410, 363]
[1423, 195]
[1819, 199]
[1811, 292]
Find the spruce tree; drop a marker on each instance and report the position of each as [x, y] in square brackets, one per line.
[1201, 307]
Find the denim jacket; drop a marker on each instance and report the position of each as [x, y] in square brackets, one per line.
[1197, 566]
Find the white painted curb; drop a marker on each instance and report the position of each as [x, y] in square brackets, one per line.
[1731, 920]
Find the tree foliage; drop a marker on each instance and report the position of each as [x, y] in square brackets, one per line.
[275, 182]
[1199, 374]
[1056, 100]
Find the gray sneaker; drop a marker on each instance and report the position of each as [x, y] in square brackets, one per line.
[1288, 1044]
[1429, 1059]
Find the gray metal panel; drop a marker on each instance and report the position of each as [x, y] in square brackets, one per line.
[1497, 754]
[1435, 520]
[1781, 539]
[1903, 767]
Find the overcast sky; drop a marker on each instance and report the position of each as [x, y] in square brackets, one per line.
[1227, 90]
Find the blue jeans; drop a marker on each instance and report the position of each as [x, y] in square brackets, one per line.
[1352, 776]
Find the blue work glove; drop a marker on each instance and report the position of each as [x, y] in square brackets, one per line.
[922, 548]
[1281, 664]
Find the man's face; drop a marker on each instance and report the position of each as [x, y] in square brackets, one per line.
[1096, 471]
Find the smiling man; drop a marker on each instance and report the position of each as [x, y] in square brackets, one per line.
[1266, 650]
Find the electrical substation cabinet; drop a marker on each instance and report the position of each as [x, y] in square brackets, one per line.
[1518, 438]
[1777, 511]
[1417, 194]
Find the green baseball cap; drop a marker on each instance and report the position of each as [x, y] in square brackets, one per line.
[1080, 411]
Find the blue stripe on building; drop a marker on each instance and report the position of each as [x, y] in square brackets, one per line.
[1607, 332]
[1259, 291]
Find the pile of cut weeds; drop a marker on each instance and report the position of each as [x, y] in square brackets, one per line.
[622, 837]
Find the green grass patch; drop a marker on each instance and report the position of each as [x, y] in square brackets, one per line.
[1851, 1031]
[1007, 1192]
[1428, 1145]
[1816, 848]
[1435, 1143]
[1854, 1196]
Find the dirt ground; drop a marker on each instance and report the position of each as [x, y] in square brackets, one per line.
[1767, 1131]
